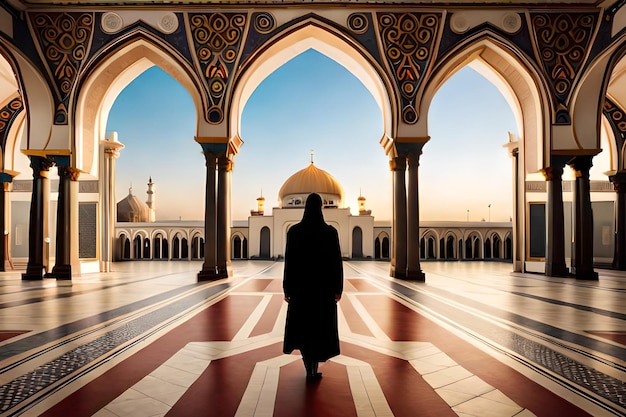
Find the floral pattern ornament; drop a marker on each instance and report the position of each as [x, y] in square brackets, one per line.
[216, 41]
[562, 43]
[7, 116]
[408, 41]
[64, 40]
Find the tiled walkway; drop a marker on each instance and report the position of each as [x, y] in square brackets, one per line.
[474, 340]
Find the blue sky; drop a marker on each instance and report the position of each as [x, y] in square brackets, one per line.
[313, 103]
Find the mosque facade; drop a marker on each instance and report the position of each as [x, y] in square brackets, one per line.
[263, 236]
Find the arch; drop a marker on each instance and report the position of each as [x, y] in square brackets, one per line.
[508, 247]
[357, 242]
[239, 245]
[450, 247]
[430, 239]
[137, 244]
[37, 99]
[236, 245]
[328, 40]
[157, 246]
[124, 247]
[264, 247]
[517, 80]
[146, 248]
[109, 75]
[496, 241]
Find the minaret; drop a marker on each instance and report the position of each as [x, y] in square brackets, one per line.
[362, 211]
[151, 203]
[260, 206]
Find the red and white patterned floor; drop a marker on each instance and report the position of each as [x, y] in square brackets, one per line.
[475, 340]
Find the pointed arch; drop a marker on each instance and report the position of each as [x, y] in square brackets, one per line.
[106, 78]
[518, 81]
[36, 97]
[329, 41]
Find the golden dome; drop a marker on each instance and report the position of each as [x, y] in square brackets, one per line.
[311, 180]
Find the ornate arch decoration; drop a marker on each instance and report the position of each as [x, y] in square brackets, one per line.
[589, 101]
[382, 235]
[614, 124]
[156, 233]
[326, 39]
[120, 232]
[428, 233]
[108, 73]
[63, 40]
[517, 79]
[143, 234]
[37, 100]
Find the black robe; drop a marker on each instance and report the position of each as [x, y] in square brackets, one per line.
[313, 275]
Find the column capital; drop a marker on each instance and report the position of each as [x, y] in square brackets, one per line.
[581, 165]
[40, 166]
[112, 148]
[69, 173]
[552, 173]
[619, 181]
[397, 163]
[225, 163]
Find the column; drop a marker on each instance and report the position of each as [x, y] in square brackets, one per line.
[399, 252]
[111, 151]
[414, 270]
[3, 240]
[555, 231]
[619, 257]
[63, 268]
[34, 268]
[209, 267]
[582, 253]
[225, 166]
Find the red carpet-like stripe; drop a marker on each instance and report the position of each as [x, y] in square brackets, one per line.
[268, 319]
[8, 334]
[220, 321]
[402, 323]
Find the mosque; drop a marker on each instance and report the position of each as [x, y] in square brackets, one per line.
[541, 335]
[263, 236]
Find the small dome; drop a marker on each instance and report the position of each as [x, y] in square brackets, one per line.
[132, 209]
[311, 180]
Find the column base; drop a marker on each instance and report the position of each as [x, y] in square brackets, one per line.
[33, 272]
[417, 275]
[397, 273]
[226, 272]
[585, 275]
[557, 270]
[211, 274]
[62, 272]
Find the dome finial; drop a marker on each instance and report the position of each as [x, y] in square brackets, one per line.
[312, 153]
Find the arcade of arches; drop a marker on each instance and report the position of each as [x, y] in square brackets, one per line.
[559, 65]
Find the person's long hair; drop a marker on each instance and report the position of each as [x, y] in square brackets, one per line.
[313, 209]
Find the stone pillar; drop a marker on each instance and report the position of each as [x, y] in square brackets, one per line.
[111, 151]
[225, 166]
[63, 268]
[399, 252]
[209, 267]
[414, 270]
[34, 268]
[3, 240]
[555, 231]
[582, 253]
[619, 257]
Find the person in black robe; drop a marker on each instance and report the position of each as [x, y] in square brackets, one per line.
[313, 284]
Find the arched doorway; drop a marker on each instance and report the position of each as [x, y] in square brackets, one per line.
[264, 249]
[357, 242]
